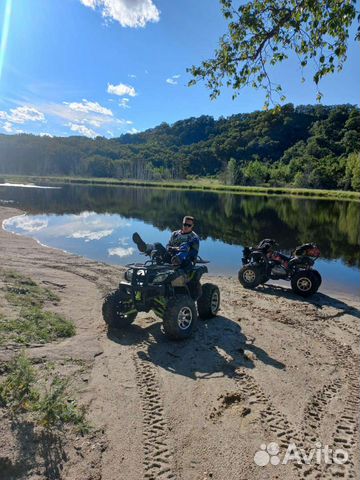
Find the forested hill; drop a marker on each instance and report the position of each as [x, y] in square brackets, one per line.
[304, 146]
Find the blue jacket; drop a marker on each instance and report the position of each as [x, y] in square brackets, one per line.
[188, 243]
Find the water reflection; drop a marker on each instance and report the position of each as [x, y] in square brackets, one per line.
[98, 222]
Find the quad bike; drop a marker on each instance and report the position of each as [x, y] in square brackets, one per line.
[262, 263]
[174, 295]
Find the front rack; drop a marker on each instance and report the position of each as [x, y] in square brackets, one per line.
[152, 263]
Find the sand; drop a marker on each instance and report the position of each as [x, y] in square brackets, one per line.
[272, 367]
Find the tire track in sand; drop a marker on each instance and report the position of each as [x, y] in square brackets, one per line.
[345, 430]
[158, 452]
[273, 420]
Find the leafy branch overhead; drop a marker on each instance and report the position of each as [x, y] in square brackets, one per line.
[262, 33]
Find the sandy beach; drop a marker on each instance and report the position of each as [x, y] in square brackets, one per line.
[272, 367]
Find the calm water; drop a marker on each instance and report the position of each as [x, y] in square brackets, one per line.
[97, 222]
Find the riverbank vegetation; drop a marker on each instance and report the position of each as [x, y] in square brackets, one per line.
[211, 184]
[28, 392]
[297, 147]
[23, 320]
[40, 397]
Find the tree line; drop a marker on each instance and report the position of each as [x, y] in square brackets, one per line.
[311, 146]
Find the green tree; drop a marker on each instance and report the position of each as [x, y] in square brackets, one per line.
[231, 172]
[99, 166]
[352, 171]
[262, 33]
[256, 173]
[351, 132]
[280, 175]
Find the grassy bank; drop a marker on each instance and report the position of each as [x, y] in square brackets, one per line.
[202, 184]
[23, 320]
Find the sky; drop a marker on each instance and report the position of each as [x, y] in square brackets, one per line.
[108, 67]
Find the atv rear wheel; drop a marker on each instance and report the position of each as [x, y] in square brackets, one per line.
[318, 278]
[304, 283]
[209, 302]
[118, 309]
[250, 276]
[179, 317]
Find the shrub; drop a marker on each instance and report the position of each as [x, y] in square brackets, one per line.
[17, 391]
[21, 393]
[36, 326]
[56, 407]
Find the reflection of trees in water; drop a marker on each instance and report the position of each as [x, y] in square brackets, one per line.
[234, 219]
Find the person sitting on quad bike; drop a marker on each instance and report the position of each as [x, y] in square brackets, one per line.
[182, 249]
[168, 284]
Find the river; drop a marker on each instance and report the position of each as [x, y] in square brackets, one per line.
[97, 222]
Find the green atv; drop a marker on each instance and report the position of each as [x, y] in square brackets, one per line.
[175, 295]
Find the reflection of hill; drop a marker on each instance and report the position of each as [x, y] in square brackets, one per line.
[235, 219]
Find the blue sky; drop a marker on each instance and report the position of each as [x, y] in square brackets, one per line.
[106, 67]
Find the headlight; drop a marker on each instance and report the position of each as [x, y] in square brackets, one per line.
[128, 275]
[160, 278]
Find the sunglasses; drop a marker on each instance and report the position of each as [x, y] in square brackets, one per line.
[187, 225]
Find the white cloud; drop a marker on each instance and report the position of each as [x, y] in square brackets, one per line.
[8, 127]
[84, 114]
[27, 224]
[131, 75]
[84, 222]
[84, 117]
[20, 115]
[89, 3]
[86, 107]
[93, 122]
[121, 252]
[124, 103]
[89, 235]
[45, 134]
[173, 80]
[133, 130]
[121, 90]
[129, 13]
[82, 130]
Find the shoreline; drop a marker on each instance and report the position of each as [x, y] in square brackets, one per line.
[212, 400]
[196, 185]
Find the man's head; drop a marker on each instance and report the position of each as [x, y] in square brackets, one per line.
[188, 224]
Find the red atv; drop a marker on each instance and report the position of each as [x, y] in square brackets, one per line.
[263, 262]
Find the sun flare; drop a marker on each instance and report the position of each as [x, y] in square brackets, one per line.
[5, 33]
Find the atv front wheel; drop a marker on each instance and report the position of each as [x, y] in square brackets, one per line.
[209, 302]
[118, 309]
[304, 283]
[250, 276]
[180, 317]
